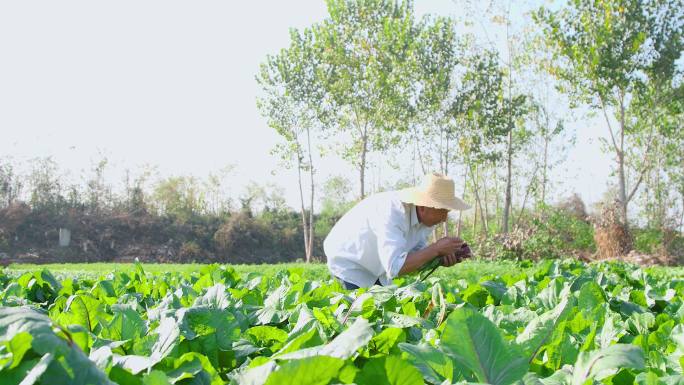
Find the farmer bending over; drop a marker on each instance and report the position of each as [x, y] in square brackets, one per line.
[385, 235]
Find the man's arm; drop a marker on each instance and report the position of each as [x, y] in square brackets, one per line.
[417, 259]
[444, 247]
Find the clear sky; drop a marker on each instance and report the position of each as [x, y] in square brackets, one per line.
[171, 83]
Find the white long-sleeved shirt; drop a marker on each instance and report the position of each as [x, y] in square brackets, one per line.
[371, 241]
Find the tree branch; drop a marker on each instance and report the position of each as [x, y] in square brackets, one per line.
[647, 166]
[610, 127]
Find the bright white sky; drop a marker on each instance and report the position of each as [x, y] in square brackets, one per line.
[171, 83]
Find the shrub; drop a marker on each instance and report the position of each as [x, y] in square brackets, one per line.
[549, 233]
[574, 206]
[243, 236]
[648, 240]
[13, 216]
[190, 250]
[610, 234]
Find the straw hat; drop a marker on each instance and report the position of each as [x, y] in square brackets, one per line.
[436, 191]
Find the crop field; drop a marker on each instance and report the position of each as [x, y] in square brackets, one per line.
[552, 322]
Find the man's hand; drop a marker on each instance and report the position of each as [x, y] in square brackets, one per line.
[450, 249]
[461, 254]
[448, 246]
[450, 260]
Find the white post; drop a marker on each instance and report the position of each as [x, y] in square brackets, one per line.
[64, 237]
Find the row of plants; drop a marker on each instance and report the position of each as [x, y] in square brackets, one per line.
[557, 322]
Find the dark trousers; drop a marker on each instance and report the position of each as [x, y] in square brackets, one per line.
[351, 286]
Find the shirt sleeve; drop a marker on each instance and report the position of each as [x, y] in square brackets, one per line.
[399, 262]
[420, 246]
[389, 226]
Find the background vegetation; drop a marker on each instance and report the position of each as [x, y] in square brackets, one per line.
[375, 83]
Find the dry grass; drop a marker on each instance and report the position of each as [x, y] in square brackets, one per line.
[610, 234]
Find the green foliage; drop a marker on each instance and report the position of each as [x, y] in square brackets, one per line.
[559, 321]
[548, 233]
[560, 233]
[180, 198]
[648, 240]
[613, 56]
[476, 345]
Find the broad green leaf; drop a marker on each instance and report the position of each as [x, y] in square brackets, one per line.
[17, 347]
[476, 295]
[102, 357]
[168, 334]
[126, 324]
[216, 297]
[317, 370]
[389, 370]
[478, 347]
[496, 289]
[539, 331]
[46, 277]
[255, 375]
[80, 336]
[69, 365]
[599, 364]
[612, 329]
[675, 358]
[34, 374]
[432, 363]
[266, 335]
[273, 309]
[305, 340]
[82, 309]
[167, 339]
[640, 323]
[343, 346]
[156, 377]
[648, 378]
[383, 342]
[560, 377]
[217, 325]
[549, 297]
[195, 366]
[133, 363]
[209, 331]
[401, 320]
[590, 296]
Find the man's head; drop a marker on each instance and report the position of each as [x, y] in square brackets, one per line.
[436, 192]
[430, 216]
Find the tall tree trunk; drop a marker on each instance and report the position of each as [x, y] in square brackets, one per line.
[445, 171]
[509, 155]
[497, 195]
[509, 176]
[460, 213]
[648, 186]
[681, 219]
[618, 146]
[474, 221]
[661, 200]
[527, 194]
[364, 149]
[420, 156]
[311, 205]
[474, 176]
[621, 166]
[545, 180]
[305, 229]
[486, 205]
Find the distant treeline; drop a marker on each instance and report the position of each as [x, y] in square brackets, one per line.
[172, 220]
